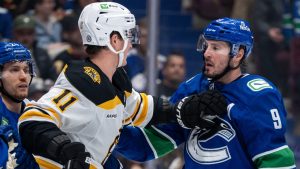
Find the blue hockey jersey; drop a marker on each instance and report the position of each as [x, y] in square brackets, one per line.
[250, 135]
[12, 154]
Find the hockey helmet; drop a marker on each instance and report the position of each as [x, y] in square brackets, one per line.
[15, 52]
[234, 31]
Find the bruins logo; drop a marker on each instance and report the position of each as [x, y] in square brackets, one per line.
[93, 74]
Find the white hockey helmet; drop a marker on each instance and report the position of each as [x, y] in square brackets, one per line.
[98, 20]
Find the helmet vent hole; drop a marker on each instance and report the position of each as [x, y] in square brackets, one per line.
[97, 19]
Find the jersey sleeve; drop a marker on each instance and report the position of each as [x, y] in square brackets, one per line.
[60, 107]
[262, 126]
[139, 108]
[143, 144]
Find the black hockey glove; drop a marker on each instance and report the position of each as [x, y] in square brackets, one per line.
[199, 110]
[73, 156]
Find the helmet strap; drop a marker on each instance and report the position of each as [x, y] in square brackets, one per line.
[120, 52]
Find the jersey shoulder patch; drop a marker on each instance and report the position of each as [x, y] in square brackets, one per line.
[90, 81]
[258, 84]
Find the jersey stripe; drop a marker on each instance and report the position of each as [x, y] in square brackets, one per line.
[127, 94]
[46, 163]
[110, 104]
[159, 141]
[150, 144]
[33, 113]
[143, 114]
[165, 135]
[281, 157]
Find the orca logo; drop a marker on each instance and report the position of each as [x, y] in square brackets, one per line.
[210, 155]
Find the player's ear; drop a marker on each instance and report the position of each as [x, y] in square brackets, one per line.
[238, 57]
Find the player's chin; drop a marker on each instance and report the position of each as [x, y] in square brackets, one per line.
[209, 74]
[22, 95]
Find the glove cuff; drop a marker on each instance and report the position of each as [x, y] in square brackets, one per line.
[70, 151]
[178, 113]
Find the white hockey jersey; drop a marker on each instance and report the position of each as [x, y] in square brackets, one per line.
[84, 104]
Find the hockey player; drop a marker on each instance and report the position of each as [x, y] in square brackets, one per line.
[16, 72]
[250, 135]
[78, 122]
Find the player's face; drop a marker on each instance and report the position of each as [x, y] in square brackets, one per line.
[216, 58]
[16, 78]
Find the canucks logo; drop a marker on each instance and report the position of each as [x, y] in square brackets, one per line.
[4, 121]
[258, 85]
[201, 145]
[93, 74]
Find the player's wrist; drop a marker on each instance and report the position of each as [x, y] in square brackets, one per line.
[71, 151]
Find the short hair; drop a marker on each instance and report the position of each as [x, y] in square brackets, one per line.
[174, 54]
[93, 49]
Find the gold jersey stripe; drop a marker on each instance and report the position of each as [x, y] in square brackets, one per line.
[65, 67]
[127, 94]
[110, 104]
[46, 164]
[143, 115]
[47, 109]
[35, 113]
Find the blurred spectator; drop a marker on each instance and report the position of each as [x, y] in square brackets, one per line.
[24, 32]
[48, 29]
[80, 4]
[136, 66]
[15, 7]
[6, 24]
[38, 88]
[72, 43]
[267, 24]
[173, 72]
[291, 32]
[206, 10]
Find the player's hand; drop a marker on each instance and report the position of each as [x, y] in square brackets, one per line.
[73, 156]
[199, 110]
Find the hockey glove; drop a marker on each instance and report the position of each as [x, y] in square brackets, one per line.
[73, 156]
[200, 110]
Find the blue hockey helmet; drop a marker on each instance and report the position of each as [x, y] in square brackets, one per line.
[15, 52]
[234, 31]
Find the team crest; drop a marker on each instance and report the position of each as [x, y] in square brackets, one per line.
[201, 145]
[93, 74]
